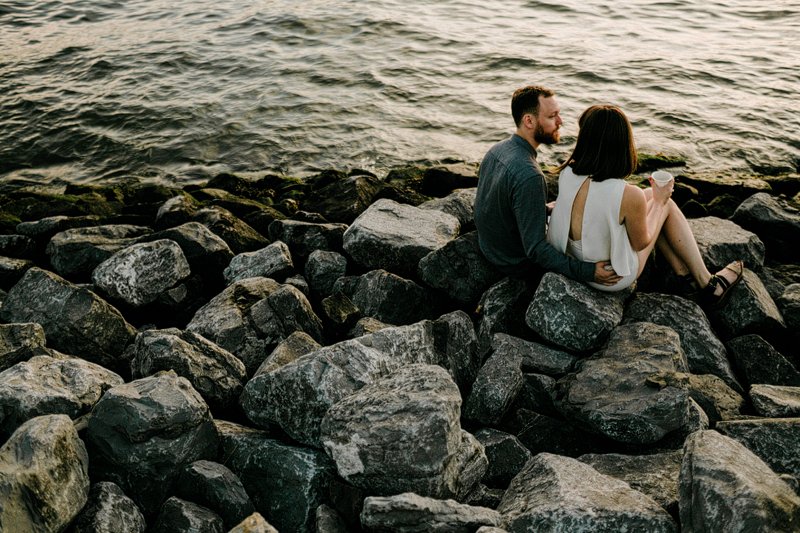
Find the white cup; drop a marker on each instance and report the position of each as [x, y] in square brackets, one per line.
[661, 177]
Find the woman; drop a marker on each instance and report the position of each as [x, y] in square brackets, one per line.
[598, 216]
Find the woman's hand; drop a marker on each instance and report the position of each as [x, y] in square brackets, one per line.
[662, 193]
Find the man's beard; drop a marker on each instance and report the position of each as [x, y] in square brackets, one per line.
[541, 137]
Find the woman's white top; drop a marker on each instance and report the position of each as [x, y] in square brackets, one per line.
[603, 238]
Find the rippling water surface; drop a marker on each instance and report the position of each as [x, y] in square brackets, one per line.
[98, 90]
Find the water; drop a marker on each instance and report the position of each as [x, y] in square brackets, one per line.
[179, 91]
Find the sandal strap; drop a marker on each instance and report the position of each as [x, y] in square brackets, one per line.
[722, 281]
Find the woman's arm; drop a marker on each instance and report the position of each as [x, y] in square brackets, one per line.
[641, 215]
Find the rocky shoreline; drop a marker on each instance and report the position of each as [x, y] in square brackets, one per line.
[333, 354]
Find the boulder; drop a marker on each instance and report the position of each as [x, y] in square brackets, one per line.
[322, 270]
[387, 297]
[214, 372]
[416, 343]
[410, 513]
[722, 241]
[303, 238]
[142, 433]
[440, 180]
[759, 363]
[459, 270]
[502, 310]
[726, 487]
[344, 199]
[238, 235]
[555, 493]
[176, 211]
[402, 434]
[286, 483]
[789, 305]
[20, 342]
[749, 309]
[717, 400]
[42, 230]
[75, 253]
[43, 385]
[537, 394]
[11, 270]
[179, 516]
[365, 326]
[273, 261]
[20, 246]
[109, 510]
[535, 357]
[292, 347]
[456, 341]
[776, 401]
[704, 351]
[459, 204]
[572, 315]
[140, 273]
[254, 523]
[251, 316]
[776, 225]
[776, 441]
[494, 390]
[506, 455]
[610, 393]
[216, 488]
[75, 320]
[394, 237]
[339, 314]
[44, 480]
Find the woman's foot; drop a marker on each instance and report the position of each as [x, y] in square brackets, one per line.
[716, 292]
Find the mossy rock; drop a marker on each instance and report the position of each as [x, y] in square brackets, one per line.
[713, 184]
[8, 223]
[651, 162]
[786, 184]
[242, 187]
[34, 206]
[723, 206]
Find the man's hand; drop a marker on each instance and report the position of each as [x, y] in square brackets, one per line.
[604, 274]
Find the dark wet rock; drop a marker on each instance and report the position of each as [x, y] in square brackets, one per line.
[789, 306]
[610, 392]
[140, 273]
[506, 455]
[255, 523]
[387, 297]
[537, 394]
[75, 320]
[108, 510]
[409, 512]
[713, 184]
[704, 351]
[402, 434]
[42, 230]
[713, 395]
[340, 313]
[234, 231]
[262, 190]
[216, 488]
[441, 180]
[214, 372]
[292, 347]
[286, 483]
[180, 516]
[241, 207]
[344, 199]
[394, 237]
[44, 479]
[494, 390]
[775, 440]
[176, 211]
[459, 204]
[20, 342]
[722, 241]
[305, 237]
[572, 315]
[142, 433]
[44, 385]
[77, 252]
[459, 269]
[536, 357]
[544, 433]
[758, 362]
[776, 401]
[19, 246]
[251, 316]
[329, 521]
[776, 225]
[12, 270]
[749, 309]
[502, 310]
[725, 487]
[273, 261]
[322, 270]
[261, 219]
[455, 339]
[554, 493]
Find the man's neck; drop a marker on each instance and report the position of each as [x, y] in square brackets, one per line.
[528, 136]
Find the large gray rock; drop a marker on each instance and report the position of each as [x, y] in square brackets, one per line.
[42, 230]
[142, 433]
[216, 488]
[109, 510]
[44, 480]
[44, 385]
[394, 237]
[286, 483]
[411, 513]
[140, 273]
[298, 394]
[722, 241]
[502, 310]
[459, 270]
[535, 357]
[20, 342]
[494, 390]
[717, 400]
[236, 233]
[704, 351]
[387, 297]
[322, 270]
[506, 456]
[775, 440]
[555, 494]
[414, 343]
[273, 261]
[726, 487]
[292, 347]
[776, 401]
[455, 338]
[759, 363]
[77, 252]
[610, 393]
[460, 204]
[777, 226]
[305, 237]
[402, 434]
[180, 516]
[250, 317]
[176, 210]
[214, 372]
[749, 309]
[75, 320]
[655, 475]
[572, 315]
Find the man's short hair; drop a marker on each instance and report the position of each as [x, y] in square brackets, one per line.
[526, 100]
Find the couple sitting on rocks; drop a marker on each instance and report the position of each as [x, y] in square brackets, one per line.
[601, 229]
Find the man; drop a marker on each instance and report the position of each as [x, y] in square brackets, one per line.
[510, 210]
